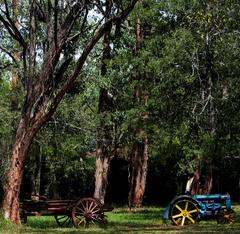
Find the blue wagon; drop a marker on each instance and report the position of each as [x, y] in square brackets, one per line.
[185, 209]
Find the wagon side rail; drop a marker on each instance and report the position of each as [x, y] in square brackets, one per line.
[46, 207]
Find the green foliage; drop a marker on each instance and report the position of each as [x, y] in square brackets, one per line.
[6, 127]
[69, 142]
[173, 59]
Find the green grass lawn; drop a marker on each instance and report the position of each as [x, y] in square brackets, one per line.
[120, 220]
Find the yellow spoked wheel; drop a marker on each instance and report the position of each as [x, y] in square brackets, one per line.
[184, 212]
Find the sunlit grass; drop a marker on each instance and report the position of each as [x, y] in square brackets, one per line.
[121, 220]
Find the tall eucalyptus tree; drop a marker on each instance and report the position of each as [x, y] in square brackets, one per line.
[105, 105]
[210, 23]
[139, 152]
[56, 38]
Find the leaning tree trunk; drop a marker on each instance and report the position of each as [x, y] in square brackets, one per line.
[24, 137]
[139, 155]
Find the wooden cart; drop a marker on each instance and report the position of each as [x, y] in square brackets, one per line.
[80, 213]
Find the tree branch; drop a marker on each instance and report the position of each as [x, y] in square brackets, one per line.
[3, 67]
[69, 21]
[88, 48]
[8, 53]
[55, 22]
[11, 27]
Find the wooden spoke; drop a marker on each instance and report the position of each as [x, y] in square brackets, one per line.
[96, 211]
[86, 211]
[86, 206]
[80, 209]
[91, 204]
[63, 221]
[94, 208]
[81, 221]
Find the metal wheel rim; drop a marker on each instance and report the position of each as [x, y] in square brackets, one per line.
[226, 216]
[184, 212]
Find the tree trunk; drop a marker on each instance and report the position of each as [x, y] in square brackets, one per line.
[103, 149]
[210, 75]
[16, 57]
[238, 187]
[195, 189]
[36, 177]
[21, 147]
[207, 187]
[138, 173]
[101, 174]
[208, 79]
[139, 155]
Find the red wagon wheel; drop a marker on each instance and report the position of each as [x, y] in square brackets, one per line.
[86, 211]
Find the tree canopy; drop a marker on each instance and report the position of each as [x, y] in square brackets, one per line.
[178, 90]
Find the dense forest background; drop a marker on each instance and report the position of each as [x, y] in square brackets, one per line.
[165, 82]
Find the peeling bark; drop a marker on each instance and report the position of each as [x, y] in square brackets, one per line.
[101, 174]
[139, 155]
[138, 173]
[24, 137]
